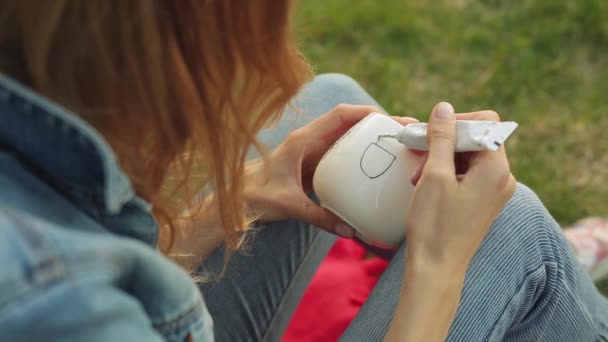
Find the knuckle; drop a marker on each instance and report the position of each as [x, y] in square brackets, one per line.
[491, 115]
[441, 133]
[296, 136]
[373, 109]
[437, 175]
[502, 176]
[341, 108]
[499, 177]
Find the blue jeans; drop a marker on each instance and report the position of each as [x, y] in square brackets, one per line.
[524, 283]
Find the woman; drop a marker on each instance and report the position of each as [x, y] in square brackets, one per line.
[164, 96]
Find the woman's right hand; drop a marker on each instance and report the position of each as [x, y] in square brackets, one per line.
[455, 202]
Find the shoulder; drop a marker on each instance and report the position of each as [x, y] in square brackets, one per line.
[90, 284]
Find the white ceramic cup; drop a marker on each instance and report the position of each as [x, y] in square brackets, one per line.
[366, 181]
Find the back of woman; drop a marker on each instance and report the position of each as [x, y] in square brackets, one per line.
[154, 86]
[115, 113]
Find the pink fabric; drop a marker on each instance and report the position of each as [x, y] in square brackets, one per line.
[589, 239]
[341, 285]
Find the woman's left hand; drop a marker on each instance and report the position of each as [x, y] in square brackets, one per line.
[279, 190]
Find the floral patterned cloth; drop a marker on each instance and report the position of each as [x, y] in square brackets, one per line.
[589, 239]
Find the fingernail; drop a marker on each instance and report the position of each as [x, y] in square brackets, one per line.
[345, 230]
[411, 118]
[444, 111]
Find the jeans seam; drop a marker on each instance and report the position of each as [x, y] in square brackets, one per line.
[560, 283]
[504, 310]
[313, 245]
[587, 315]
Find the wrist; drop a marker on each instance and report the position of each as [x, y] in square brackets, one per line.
[435, 263]
[257, 194]
[428, 301]
[256, 205]
[434, 275]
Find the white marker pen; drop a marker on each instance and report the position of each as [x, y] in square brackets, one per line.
[470, 135]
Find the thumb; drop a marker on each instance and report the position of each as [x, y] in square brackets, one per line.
[441, 135]
[311, 213]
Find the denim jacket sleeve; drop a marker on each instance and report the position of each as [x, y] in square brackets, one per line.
[77, 255]
[83, 286]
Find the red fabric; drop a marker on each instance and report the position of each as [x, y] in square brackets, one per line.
[341, 285]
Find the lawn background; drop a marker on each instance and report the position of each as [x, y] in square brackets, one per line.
[541, 63]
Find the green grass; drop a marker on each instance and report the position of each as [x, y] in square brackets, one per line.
[542, 63]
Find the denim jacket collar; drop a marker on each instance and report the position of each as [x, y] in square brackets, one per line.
[66, 152]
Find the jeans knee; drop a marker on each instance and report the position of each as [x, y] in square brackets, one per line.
[334, 82]
[526, 209]
[327, 91]
[526, 225]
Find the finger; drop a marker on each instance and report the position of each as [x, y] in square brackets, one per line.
[441, 133]
[404, 120]
[481, 163]
[485, 168]
[461, 161]
[480, 158]
[484, 115]
[488, 169]
[418, 172]
[309, 212]
[337, 121]
[321, 133]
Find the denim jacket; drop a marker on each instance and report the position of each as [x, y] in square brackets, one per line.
[77, 256]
